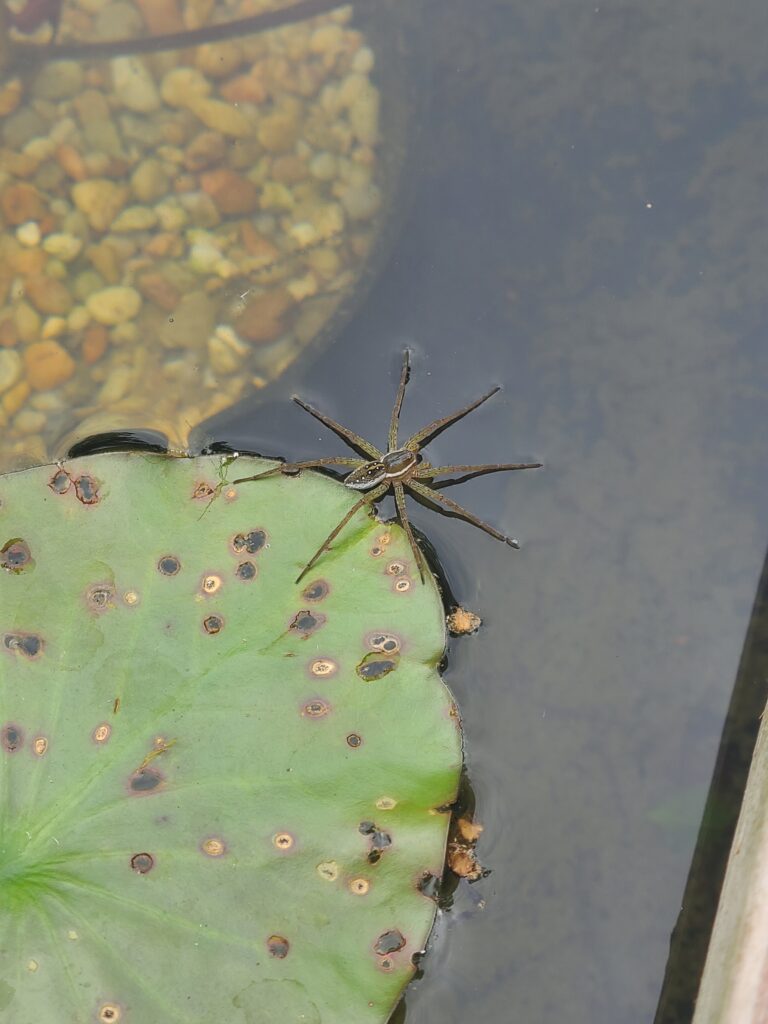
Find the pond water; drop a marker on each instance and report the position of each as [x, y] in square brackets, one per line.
[587, 227]
[589, 230]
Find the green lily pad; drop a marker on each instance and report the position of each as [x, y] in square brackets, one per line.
[223, 793]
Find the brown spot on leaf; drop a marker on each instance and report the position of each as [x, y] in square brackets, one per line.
[211, 584]
[202, 490]
[100, 597]
[323, 667]
[213, 847]
[389, 942]
[359, 886]
[168, 565]
[15, 556]
[109, 1013]
[316, 709]
[375, 666]
[315, 591]
[142, 863]
[250, 542]
[278, 946]
[11, 738]
[87, 490]
[403, 585]
[145, 780]
[354, 740]
[246, 571]
[40, 745]
[396, 568]
[29, 645]
[60, 482]
[307, 622]
[429, 885]
[213, 624]
[101, 733]
[283, 841]
[387, 643]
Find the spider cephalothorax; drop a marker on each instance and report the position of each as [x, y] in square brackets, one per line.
[397, 469]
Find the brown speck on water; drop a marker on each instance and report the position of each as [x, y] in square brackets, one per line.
[87, 490]
[142, 863]
[461, 622]
[29, 645]
[60, 482]
[15, 556]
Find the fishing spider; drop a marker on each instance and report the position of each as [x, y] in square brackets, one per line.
[399, 468]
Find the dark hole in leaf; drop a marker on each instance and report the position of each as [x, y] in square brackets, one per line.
[15, 556]
[213, 624]
[87, 490]
[389, 942]
[353, 740]
[366, 828]
[385, 642]
[145, 780]
[315, 591]
[278, 946]
[381, 840]
[142, 863]
[60, 482]
[374, 856]
[27, 644]
[13, 738]
[169, 565]
[250, 542]
[246, 571]
[306, 622]
[429, 885]
[374, 666]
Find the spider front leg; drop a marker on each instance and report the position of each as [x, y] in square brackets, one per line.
[369, 499]
[294, 467]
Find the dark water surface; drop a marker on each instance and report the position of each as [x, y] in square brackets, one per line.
[590, 229]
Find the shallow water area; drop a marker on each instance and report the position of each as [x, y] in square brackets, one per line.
[587, 229]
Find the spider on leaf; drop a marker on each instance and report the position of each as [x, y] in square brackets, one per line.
[400, 468]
